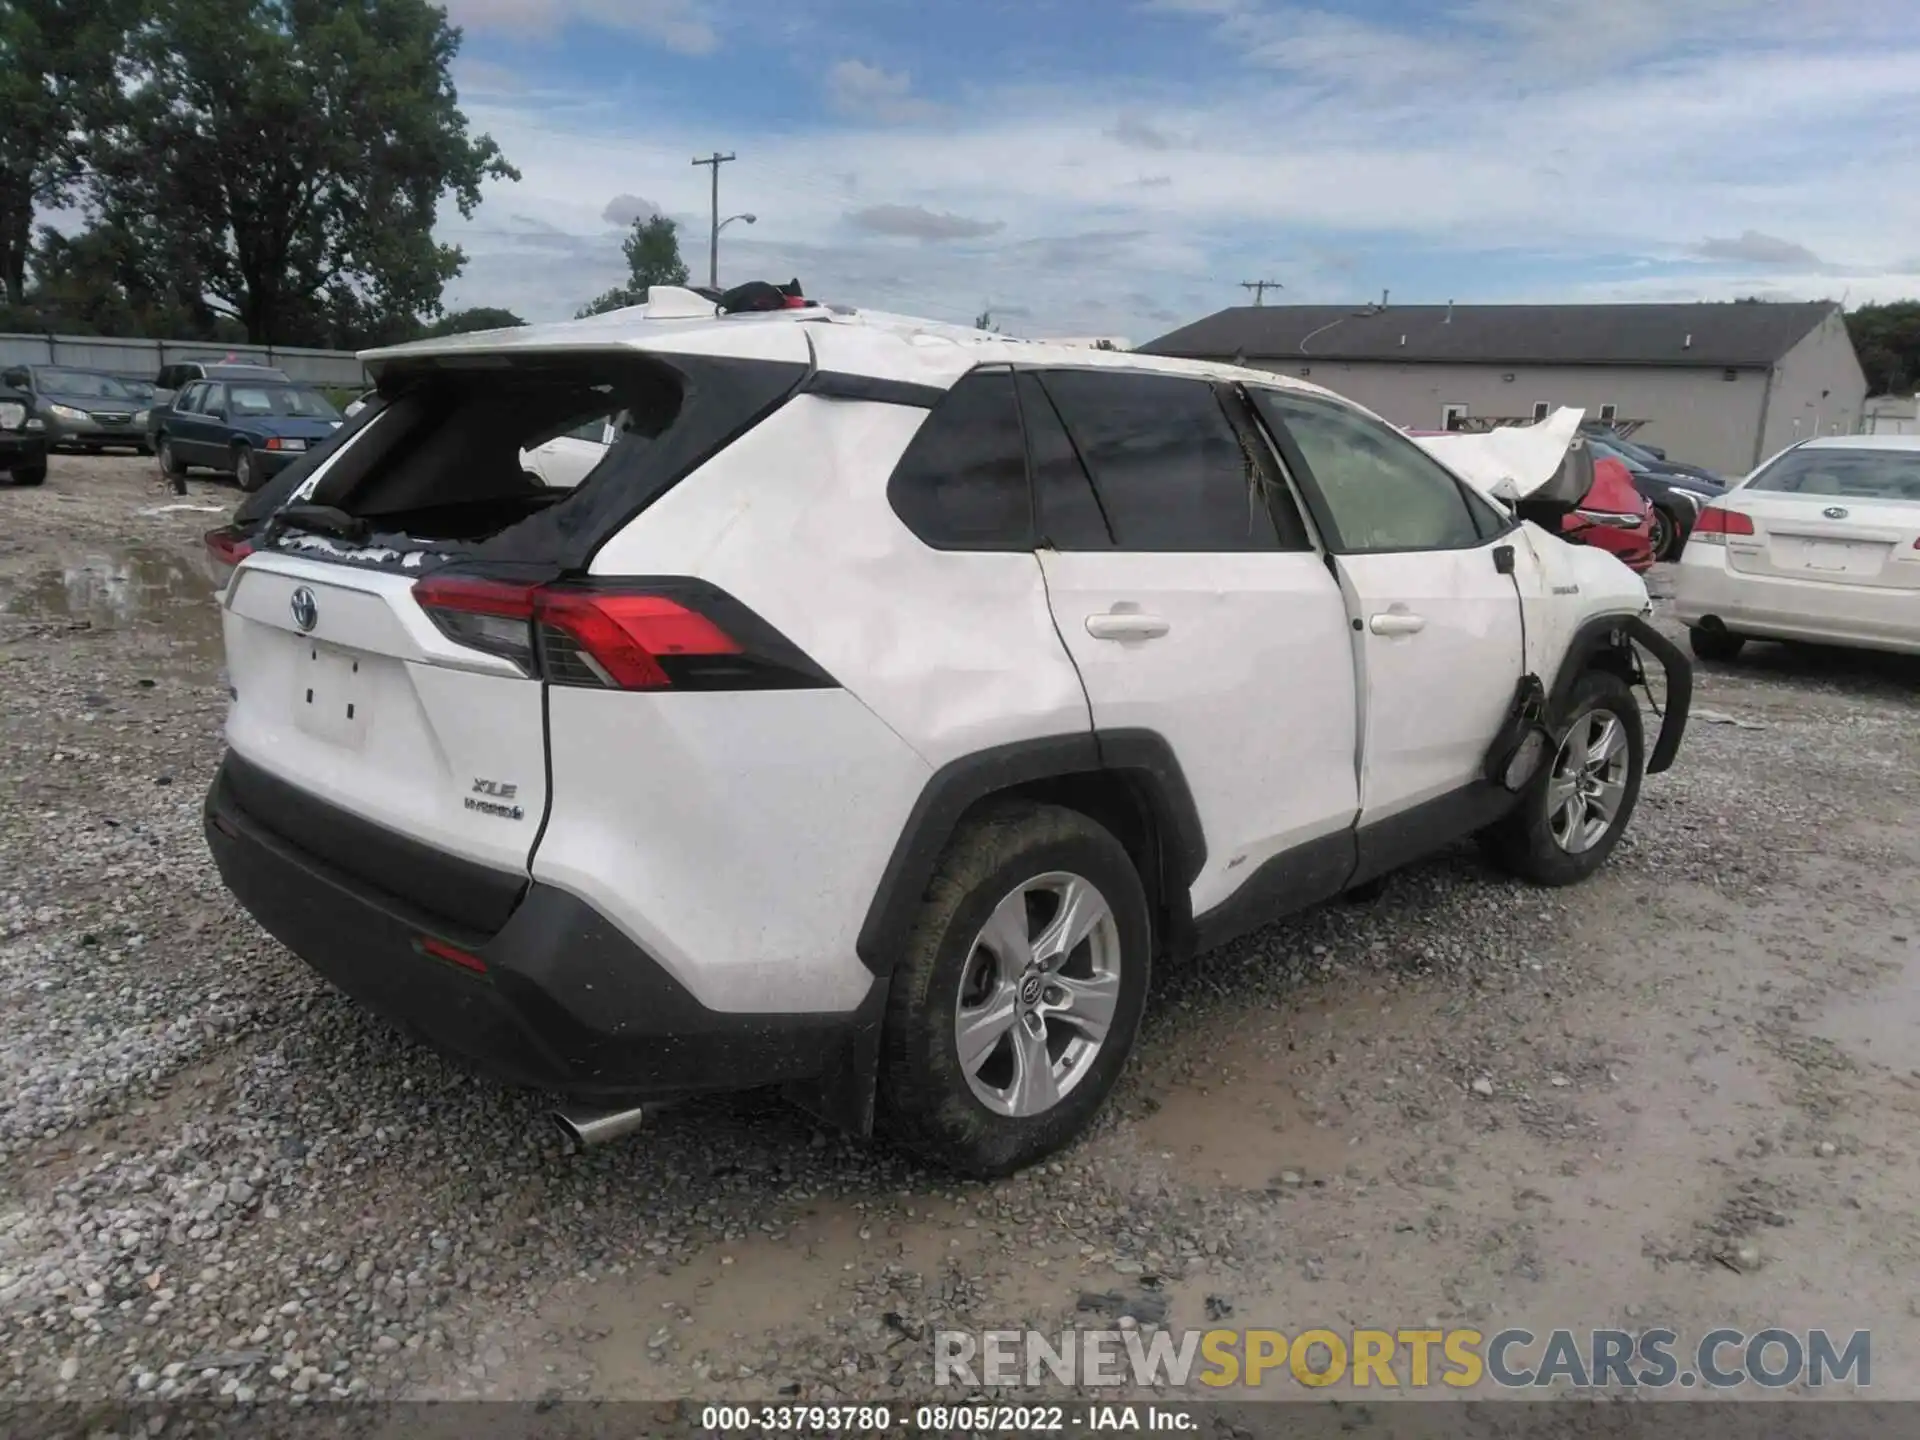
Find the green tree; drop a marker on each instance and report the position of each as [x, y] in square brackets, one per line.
[57, 62]
[652, 248]
[293, 155]
[985, 321]
[465, 322]
[1887, 340]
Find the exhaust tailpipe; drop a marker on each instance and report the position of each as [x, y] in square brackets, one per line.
[587, 1128]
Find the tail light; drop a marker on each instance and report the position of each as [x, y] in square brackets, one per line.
[229, 544]
[638, 635]
[1715, 524]
[227, 547]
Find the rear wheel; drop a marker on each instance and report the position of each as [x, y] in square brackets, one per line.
[1016, 1000]
[1575, 809]
[246, 469]
[1716, 643]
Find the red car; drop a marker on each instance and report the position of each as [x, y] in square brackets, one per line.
[1615, 516]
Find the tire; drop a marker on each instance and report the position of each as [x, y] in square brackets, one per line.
[1555, 836]
[31, 474]
[1720, 645]
[246, 469]
[170, 465]
[1013, 862]
[1664, 531]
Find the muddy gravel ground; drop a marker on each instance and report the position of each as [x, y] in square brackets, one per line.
[1683, 1094]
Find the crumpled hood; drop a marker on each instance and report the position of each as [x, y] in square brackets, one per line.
[1528, 455]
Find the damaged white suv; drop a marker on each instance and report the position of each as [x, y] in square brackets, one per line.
[886, 701]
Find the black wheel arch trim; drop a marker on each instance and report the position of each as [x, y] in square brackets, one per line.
[1619, 634]
[1142, 757]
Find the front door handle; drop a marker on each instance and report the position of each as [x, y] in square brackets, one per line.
[1126, 625]
[1397, 622]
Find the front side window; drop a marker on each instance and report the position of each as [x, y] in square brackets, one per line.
[187, 402]
[962, 483]
[1382, 491]
[1168, 466]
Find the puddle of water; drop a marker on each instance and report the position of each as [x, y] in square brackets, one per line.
[114, 588]
[1245, 1125]
[1882, 1025]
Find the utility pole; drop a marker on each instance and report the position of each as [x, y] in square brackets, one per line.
[716, 160]
[1260, 288]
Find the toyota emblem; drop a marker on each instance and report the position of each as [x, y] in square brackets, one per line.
[1835, 512]
[306, 611]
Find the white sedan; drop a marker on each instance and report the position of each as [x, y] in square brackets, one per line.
[1821, 543]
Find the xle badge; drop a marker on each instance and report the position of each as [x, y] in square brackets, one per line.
[497, 801]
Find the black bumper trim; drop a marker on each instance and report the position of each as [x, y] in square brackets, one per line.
[459, 898]
[567, 1002]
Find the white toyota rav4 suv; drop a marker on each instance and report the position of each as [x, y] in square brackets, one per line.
[885, 703]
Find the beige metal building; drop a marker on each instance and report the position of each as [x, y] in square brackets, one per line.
[1722, 386]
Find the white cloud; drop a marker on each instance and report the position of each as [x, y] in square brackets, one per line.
[1337, 143]
[916, 222]
[1752, 248]
[1132, 130]
[867, 92]
[677, 25]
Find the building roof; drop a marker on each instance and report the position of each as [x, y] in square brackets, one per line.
[1723, 336]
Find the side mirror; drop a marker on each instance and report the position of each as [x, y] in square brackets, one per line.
[1507, 493]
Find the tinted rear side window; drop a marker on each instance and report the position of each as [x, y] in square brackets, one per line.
[962, 483]
[1166, 462]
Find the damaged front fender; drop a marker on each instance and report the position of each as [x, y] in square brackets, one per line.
[1616, 642]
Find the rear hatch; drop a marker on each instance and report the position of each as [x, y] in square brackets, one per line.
[380, 634]
[1841, 515]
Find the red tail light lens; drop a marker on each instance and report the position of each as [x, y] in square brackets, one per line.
[1715, 524]
[659, 635]
[229, 544]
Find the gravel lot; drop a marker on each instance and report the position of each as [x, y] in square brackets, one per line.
[1685, 1093]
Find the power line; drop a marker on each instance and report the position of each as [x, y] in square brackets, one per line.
[716, 160]
[1260, 288]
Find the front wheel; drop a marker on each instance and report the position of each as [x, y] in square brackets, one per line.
[1015, 1002]
[1575, 809]
[170, 463]
[1663, 533]
[31, 474]
[246, 469]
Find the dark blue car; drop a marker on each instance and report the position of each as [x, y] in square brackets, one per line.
[244, 428]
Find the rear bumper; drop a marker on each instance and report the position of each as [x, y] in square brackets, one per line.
[1707, 589]
[566, 1001]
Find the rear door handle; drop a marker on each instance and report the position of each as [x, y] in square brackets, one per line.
[1397, 622]
[1126, 625]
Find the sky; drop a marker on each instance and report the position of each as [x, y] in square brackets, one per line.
[1119, 167]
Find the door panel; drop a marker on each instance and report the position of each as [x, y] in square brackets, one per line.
[1241, 662]
[1439, 656]
[1434, 623]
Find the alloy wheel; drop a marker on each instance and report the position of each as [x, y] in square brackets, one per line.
[1588, 781]
[1038, 994]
